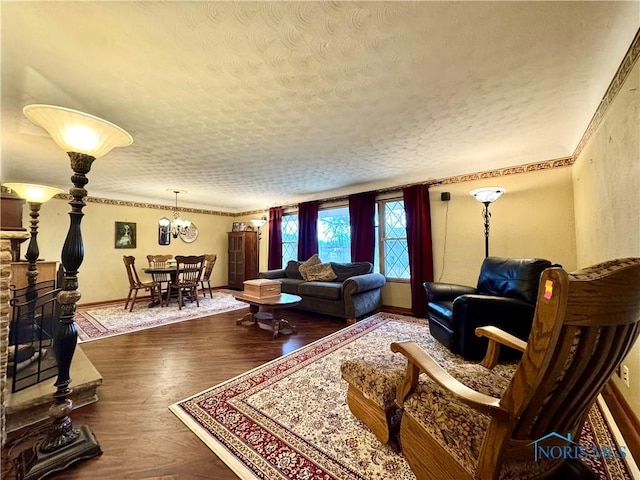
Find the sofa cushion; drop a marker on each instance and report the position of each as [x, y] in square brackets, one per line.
[346, 270]
[290, 285]
[321, 272]
[328, 290]
[313, 260]
[292, 270]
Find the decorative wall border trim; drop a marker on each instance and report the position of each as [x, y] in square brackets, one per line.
[127, 203]
[531, 167]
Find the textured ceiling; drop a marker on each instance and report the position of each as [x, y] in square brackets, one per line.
[250, 105]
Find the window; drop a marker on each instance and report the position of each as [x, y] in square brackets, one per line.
[334, 235]
[334, 238]
[391, 242]
[289, 238]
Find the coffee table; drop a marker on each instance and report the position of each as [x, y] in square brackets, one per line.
[267, 312]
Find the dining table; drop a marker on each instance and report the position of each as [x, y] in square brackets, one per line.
[159, 274]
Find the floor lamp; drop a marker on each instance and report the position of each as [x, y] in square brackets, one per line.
[259, 223]
[35, 195]
[84, 138]
[487, 195]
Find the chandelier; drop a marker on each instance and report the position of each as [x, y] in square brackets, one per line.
[178, 225]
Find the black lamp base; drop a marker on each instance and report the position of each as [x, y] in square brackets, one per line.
[32, 464]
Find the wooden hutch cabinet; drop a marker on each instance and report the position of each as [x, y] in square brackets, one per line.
[243, 258]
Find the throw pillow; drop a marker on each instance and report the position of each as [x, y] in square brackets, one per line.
[321, 272]
[292, 270]
[314, 260]
[346, 270]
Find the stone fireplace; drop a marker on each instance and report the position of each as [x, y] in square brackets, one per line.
[8, 240]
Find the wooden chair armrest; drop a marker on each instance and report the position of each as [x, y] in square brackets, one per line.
[496, 338]
[420, 361]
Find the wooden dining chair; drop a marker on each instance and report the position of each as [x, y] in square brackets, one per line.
[135, 284]
[584, 325]
[209, 263]
[187, 278]
[160, 261]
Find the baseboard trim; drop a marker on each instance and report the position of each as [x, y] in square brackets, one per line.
[396, 310]
[626, 420]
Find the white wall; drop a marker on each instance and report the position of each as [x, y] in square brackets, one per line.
[102, 275]
[534, 218]
[606, 183]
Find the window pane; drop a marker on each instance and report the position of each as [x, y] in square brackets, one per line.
[394, 220]
[334, 235]
[290, 228]
[396, 259]
[394, 239]
[289, 238]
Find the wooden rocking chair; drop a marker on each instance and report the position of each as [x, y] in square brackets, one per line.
[585, 324]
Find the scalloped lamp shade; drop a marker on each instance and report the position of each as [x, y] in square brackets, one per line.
[259, 223]
[487, 194]
[76, 131]
[33, 193]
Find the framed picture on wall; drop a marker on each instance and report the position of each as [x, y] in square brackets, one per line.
[125, 235]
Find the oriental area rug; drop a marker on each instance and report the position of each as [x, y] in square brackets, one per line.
[112, 319]
[288, 418]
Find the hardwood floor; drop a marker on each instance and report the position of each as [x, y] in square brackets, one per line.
[145, 372]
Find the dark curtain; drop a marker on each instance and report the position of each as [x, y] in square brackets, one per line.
[418, 214]
[307, 229]
[275, 238]
[362, 210]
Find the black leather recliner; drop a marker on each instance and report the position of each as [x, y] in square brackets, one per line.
[505, 297]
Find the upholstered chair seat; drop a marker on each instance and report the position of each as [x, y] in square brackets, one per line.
[373, 384]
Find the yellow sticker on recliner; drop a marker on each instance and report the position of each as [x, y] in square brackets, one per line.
[548, 289]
